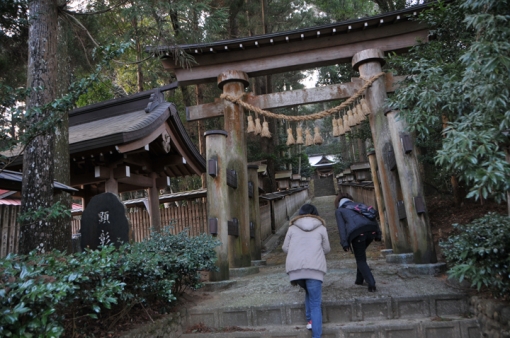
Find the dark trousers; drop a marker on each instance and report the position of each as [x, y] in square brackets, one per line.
[359, 247]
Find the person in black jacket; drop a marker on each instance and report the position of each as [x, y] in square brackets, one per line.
[356, 234]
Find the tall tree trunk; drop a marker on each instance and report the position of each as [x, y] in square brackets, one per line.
[61, 158]
[507, 153]
[139, 71]
[38, 174]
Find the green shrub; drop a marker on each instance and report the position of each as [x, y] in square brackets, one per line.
[480, 253]
[179, 257]
[39, 292]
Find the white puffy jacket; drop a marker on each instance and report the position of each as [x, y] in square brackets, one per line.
[306, 245]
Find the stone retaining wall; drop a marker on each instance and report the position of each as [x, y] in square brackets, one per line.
[168, 326]
[493, 316]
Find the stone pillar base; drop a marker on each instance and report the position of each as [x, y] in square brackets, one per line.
[217, 286]
[425, 269]
[386, 252]
[258, 263]
[241, 272]
[406, 258]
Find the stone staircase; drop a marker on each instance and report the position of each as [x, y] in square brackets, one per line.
[265, 305]
[324, 186]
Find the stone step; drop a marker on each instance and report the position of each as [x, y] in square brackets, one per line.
[334, 312]
[438, 327]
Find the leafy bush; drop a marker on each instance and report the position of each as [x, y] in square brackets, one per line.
[480, 253]
[39, 292]
[178, 257]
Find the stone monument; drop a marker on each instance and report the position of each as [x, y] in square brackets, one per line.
[104, 222]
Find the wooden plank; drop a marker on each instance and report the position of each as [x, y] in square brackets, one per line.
[173, 220]
[140, 224]
[298, 60]
[5, 231]
[204, 216]
[137, 180]
[180, 218]
[132, 220]
[102, 173]
[290, 98]
[140, 143]
[182, 151]
[86, 179]
[13, 229]
[191, 218]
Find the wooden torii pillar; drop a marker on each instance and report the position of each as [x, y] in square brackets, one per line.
[217, 199]
[417, 217]
[369, 62]
[234, 83]
[401, 183]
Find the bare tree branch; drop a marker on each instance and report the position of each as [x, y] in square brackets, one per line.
[83, 27]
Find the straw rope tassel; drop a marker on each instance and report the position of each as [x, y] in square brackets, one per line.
[355, 115]
[350, 118]
[251, 125]
[290, 137]
[335, 127]
[340, 124]
[265, 130]
[299, 132]
[359, 113]
[364, 106]
[317, 138]
[309, 137]
[258, 126]
[347, 128]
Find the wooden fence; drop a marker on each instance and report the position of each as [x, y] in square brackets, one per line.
[276, 212]
[265, 221]
[9, 228]
[361, 192]
[190, 214]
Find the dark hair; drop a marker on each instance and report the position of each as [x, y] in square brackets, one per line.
[308, 209]
[340, 196]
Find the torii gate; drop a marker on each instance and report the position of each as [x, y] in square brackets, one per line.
[362, 42]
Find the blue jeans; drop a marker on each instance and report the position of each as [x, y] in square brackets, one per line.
[313, 304]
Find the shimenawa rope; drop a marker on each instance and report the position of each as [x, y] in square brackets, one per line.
[315, 116]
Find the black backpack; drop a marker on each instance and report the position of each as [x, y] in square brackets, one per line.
[367, 211]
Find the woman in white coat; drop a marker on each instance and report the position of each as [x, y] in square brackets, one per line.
[306, 245]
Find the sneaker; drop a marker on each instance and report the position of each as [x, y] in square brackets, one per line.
[309, 325]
